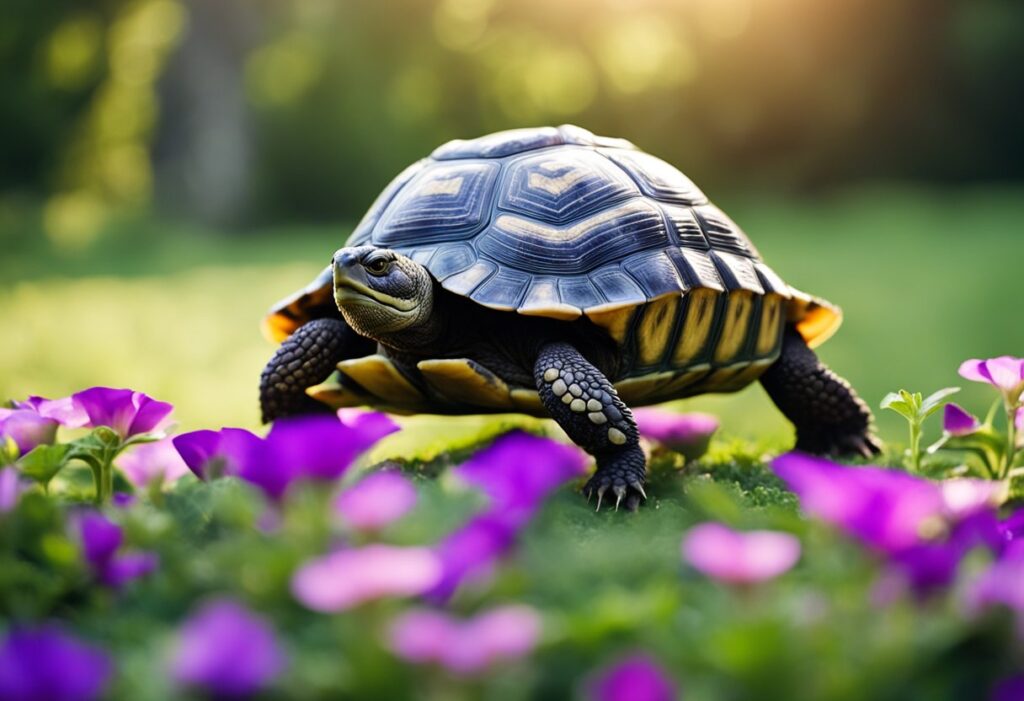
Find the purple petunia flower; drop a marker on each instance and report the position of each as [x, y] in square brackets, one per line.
[376, 500]
[101, 541]
[1000, 585]
[472, 551]
[26, 428]
[518, 471]
[635, 678]
[466, 647]
[372, 424]
[687, 434]
[350, 577]
[957, 422]
[126, 412]
[311, 447]
[46, 664]
[152, 462]
[1009, 689]
[1005, 373]
[227, 650]
[739, 558]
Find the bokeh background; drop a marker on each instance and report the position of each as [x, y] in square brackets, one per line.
[169, 168]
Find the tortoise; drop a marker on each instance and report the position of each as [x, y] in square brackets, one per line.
[556, 273]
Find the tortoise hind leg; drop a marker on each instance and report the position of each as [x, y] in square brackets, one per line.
[583, 402]
[829, 417]
[306, 358]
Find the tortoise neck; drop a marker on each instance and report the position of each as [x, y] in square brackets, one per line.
[429, 334]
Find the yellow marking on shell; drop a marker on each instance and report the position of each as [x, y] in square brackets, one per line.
[542, 299]
[461, 380]
[682, 380]
[734, 329]
[616, 436]
[655, 329]
[700, 315]
[636, 390]
[614, 321]
[771, 325]
[440, 186]
[378, 375]
[526, 228]
[597, 417]
[816, 319]
[555, 184]
[335, 395]
[528, 402]
[745, 374]
[462, 283]
[551, 374]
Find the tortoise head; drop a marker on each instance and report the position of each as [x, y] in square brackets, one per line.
[381, 293]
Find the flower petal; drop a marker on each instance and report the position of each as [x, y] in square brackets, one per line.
[150, 415]
[688, 434]
[635, 678]
[46, 663]
[374, 425]
[11, 488]
[124, 568]
[27, 429]
[197, 449]
[958, 422]
[472, 550]
[376, 500]
[227, 650]
[739, 558]
[100, 538]
[152, 462]
[350, 577]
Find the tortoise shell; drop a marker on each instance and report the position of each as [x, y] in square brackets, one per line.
[558, 222]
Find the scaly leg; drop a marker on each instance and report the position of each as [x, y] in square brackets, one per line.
[584, 403]
[306, 358]
[829, 417]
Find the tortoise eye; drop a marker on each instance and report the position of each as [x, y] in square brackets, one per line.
[378, 266]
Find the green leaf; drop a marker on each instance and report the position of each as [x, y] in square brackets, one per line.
[985, 444]
[896, 402]
[43, 462]
[8, 451]
[935, 400]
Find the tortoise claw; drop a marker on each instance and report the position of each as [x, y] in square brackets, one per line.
[639, 487]
[600, 495]
[620, 492]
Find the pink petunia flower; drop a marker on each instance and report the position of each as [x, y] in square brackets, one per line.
[466, 647]
[957, 422]
[350, 577]
[687, 434]
[1005, 373]
[152, 462]
[739, 557]
[635, 678]
[376, 500]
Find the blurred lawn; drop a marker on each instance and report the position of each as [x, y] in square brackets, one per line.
[926, 279]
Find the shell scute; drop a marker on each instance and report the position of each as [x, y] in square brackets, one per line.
[657, 178]
[444, 202]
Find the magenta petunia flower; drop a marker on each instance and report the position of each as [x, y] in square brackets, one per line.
[199, 449]
[45, 663]
[376, 500]
[101, 541]
[126, 412]
[227, 651]
[26, 428]
[635, 678]
[1005, 373]
[957, 422]
[1000, 586]
[466, 647]
[156, 462]
[686, 434]
[518, 471]
[739, 557]
[350, 577]
[63, 410]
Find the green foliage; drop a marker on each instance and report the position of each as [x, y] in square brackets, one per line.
[915, 409]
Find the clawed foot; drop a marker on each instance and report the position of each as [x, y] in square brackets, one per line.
[622, 480]
[841, 445]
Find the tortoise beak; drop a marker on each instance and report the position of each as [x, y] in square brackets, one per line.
[348, 271]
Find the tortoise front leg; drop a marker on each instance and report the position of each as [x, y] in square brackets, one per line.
[307, 358]
[829, 417]
[584, 403]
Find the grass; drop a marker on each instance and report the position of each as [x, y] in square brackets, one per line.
[926, 279]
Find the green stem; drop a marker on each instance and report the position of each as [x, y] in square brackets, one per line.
[915, 447]
[1011, 437]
